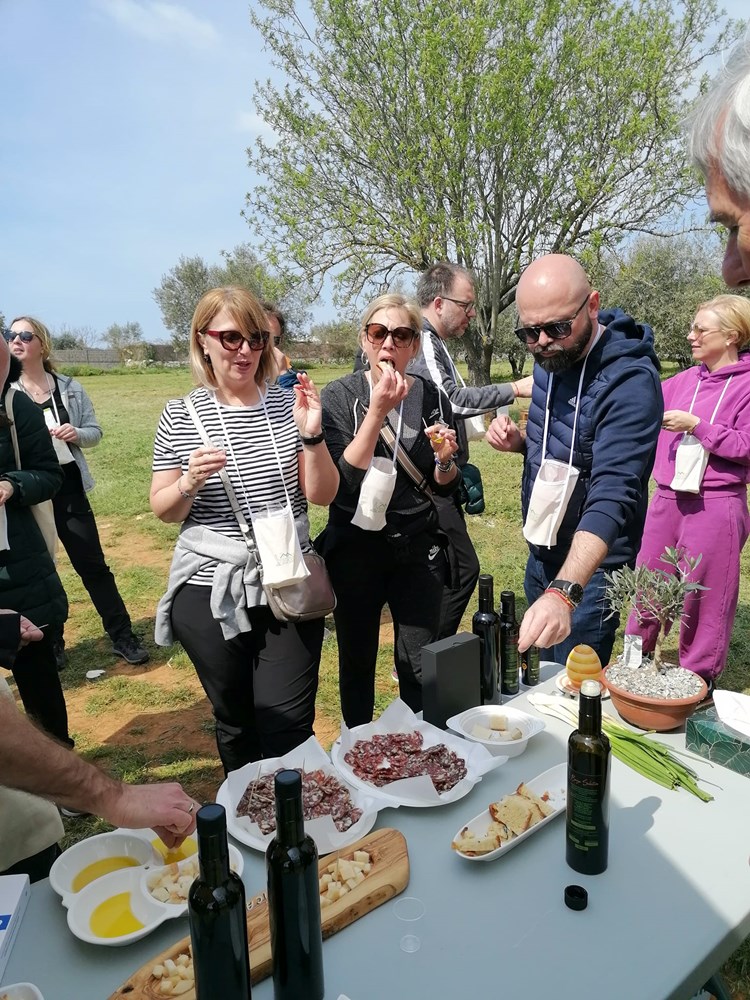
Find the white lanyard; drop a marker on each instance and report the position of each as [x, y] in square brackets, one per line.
[400, 420]
[716, 408]
[230, 451]
[545, 435]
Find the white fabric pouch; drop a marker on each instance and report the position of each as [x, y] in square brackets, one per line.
[475, 429]
[63, 452]
[691, 459]
[550, 496]
[375, 495]
[279, 547]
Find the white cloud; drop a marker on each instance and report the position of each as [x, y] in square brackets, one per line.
[251, 121]
[161, 22]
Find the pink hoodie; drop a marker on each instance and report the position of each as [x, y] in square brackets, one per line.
[727, 439]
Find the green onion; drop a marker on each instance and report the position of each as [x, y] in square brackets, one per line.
[648, 757]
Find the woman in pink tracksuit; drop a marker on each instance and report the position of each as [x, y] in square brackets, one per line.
[711, 401]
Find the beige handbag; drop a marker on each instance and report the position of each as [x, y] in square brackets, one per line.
[44, 512]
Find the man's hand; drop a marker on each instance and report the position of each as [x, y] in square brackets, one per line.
[547, 622]
[165, 808]
[504, 435]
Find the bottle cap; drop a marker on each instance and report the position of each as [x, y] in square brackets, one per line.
[288, 784]
[210, 820]
[591, 689]
[576, 897]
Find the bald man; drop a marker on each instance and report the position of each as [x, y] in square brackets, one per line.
[595, 415]
[719, 145]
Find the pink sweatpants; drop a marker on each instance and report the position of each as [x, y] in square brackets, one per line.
[716, 525]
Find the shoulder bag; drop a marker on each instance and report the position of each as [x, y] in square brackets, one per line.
[44, 513]
[307, 599]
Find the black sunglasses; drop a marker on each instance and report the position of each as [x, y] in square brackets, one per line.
[231, 340]
[558, 330]
[402, 336]
[26, 337]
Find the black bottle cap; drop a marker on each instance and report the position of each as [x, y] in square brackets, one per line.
[288, 785]
[211, 820]
[576, 897]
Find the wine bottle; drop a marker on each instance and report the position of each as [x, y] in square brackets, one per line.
[486, 624]
[294, 898]
[508, 643]
[530, 666]
[587, 822]
[216, 913]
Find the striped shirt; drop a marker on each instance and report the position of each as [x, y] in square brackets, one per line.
[252, 465]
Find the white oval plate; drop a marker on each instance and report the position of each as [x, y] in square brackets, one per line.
[529, 725]
[562, 683]
[251, 836]
[554, 781]
[20, 991]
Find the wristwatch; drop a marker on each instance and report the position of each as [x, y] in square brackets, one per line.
[571, 592]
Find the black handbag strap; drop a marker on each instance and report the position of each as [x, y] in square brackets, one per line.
[389, 440]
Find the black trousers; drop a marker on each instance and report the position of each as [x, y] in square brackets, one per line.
[37, 866]
[465, 565]
[367, 573]
[261, 684]
[78, 533]
[38, 683]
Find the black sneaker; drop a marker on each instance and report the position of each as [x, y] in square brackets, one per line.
[130, 648]
[72, 813]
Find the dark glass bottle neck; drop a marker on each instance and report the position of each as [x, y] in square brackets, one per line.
[508, 606]
[486, 598]
[590, 715]
[213, 857]
[290, 825]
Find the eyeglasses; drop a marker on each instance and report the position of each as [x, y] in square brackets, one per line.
[468, 307]
[232, 340]
[26, 337]
[699, 331]
[402, 336]
[558, 330]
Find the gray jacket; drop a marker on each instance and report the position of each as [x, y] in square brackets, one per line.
[434, 363]
[82, 417]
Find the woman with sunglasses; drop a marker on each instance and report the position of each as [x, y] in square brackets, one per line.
[260, 675]
[72, 423]
[702, 468]
[378, 550]
[29, 583]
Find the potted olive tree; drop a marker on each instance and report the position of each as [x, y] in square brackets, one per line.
[654, 694]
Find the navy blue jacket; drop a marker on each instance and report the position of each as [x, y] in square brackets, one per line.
[618, 423]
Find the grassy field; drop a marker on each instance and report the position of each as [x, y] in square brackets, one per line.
[153, 722]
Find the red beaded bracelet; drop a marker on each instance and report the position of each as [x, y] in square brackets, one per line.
[559, 593]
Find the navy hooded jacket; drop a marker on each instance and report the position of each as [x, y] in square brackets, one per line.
[618, 424]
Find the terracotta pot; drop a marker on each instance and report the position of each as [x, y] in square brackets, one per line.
[659, 714]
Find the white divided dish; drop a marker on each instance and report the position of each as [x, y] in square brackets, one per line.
[553, 783]
[127, 882]
[483, 716]
[177, 878]
[119, 843]
[20, 991]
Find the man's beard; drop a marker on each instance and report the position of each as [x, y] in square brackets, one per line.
[566, 357]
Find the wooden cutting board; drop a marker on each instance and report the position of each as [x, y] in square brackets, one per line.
[388, 877]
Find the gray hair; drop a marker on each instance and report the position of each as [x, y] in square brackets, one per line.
[719, 126]
[438, 280]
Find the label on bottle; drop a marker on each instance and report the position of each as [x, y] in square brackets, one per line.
[588, 814]
[509, 659]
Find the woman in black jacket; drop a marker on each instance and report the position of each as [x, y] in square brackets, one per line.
[29, 582]
[387, 550]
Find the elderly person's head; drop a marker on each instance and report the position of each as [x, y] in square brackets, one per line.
[229, 326]
[729, 316]
[719, 145]
[391, 332]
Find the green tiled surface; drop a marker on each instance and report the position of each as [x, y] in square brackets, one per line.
[706, 735]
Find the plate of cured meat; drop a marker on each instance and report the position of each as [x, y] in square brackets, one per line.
[336, 813]
[404, 761]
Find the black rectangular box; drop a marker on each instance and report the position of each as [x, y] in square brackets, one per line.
[450, 677]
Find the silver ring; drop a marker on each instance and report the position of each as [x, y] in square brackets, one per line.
[192, 806]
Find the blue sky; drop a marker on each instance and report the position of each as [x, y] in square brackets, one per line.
[125, 125]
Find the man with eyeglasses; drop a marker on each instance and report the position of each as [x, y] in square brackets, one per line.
[447, 297]
[719, 145]
[595, 415]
